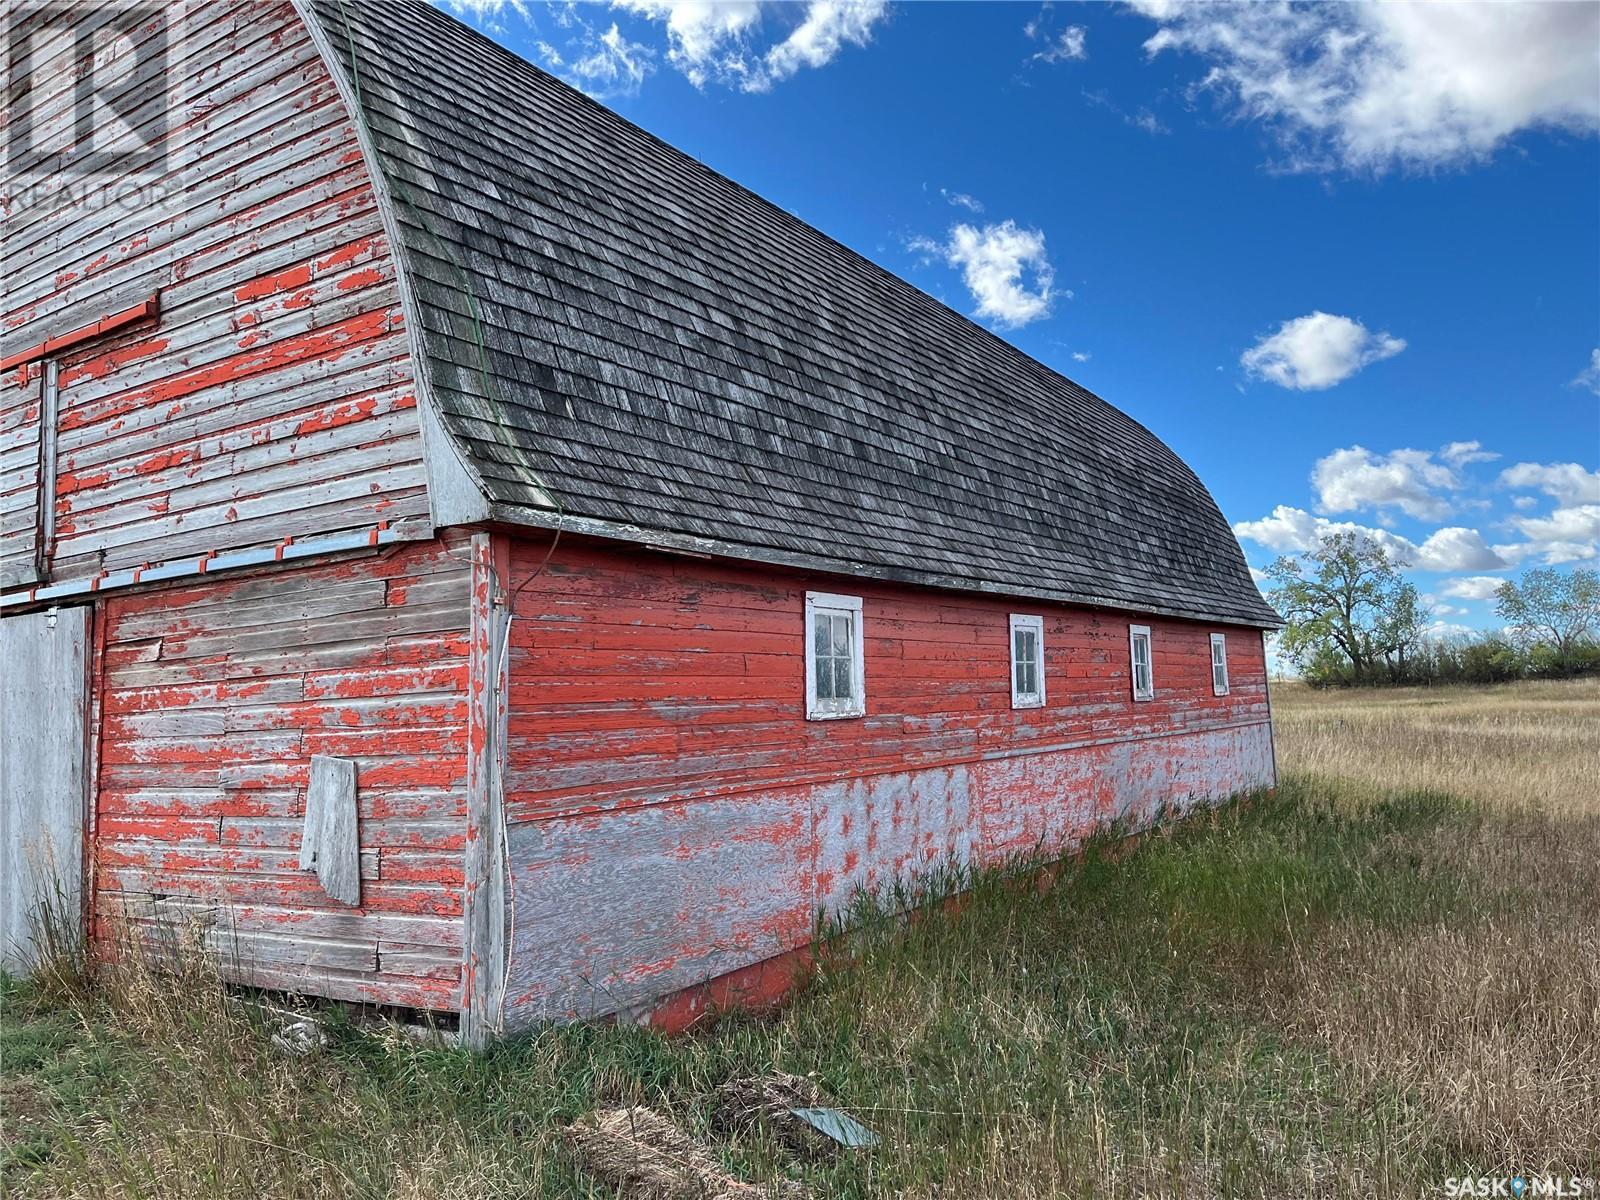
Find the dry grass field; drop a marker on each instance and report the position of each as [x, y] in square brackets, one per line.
[1511, 747]
[1490, 1017]
[1384, 976]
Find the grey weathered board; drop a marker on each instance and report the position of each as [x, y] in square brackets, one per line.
[331, 845]
[44, 688]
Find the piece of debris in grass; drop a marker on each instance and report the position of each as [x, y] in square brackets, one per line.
[643, 1156]
[788, 1108]
[845, 1130]
[301, 1035]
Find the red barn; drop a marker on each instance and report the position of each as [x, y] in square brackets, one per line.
[470, 555]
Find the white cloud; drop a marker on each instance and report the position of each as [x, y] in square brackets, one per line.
[1441, 631]
[1067, 45]
[1146, 120]
[1290, 529]
[714, 40]
[1316, 351]
[1569, 534]
[1372, 87]
[1568, 483]
[1354, 479]
[1471, 587]
[1459, 454]
[829, 26]
[1451, 549]
[1142, 119]
[1589, 377]
[1005, 268]
[1524, 501]
[704, 38]
[489, 13]
[1457, 549]
[1070, 45]
[962, 200]
[613, 66]
[1081, 355]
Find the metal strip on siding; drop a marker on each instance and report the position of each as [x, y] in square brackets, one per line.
[49, 432]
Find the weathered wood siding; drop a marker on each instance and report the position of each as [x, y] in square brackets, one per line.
[274, 394]
[672, 815]
[213, 700]
[44, 711]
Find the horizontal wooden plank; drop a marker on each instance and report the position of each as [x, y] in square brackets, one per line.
[217, 695]
[273, 395]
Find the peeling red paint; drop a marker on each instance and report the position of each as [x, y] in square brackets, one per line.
[360, 279]
[166, 459]
[68, 481]
[267, 285]
[201, 791]
[658, 734]
[342, 414]
[269, 296]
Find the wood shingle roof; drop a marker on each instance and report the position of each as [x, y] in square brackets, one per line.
[612, 324]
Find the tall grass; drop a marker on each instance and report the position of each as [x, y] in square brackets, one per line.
[1528, 746]
[1344, 989]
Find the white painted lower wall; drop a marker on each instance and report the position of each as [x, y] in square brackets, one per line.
[610, 912]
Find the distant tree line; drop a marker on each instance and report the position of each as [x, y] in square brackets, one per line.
[1351, 619]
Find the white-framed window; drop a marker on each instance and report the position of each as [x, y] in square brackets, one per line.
[1219, 664]
[1027, 661]
[1144, 684]
[835, 680]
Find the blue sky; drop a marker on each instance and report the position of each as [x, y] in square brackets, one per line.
[1346, 261]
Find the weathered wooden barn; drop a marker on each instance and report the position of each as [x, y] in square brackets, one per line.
[475, 557]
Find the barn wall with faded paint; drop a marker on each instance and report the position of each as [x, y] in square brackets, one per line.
[273, 395]
[672, 816]
[213, 699]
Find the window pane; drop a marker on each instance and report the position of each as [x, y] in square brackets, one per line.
[842, 689]
[820, 637]
[823, 670]
[1030, 677]
[841, 635]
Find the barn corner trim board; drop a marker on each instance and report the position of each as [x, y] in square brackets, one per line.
[462, 484]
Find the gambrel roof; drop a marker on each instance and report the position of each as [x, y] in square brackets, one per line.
[611, 328]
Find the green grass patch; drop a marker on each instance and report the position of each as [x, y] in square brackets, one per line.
[1124, 1029]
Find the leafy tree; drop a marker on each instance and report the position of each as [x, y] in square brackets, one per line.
[1559, 610]
[1347, 611]
[1402, 627]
